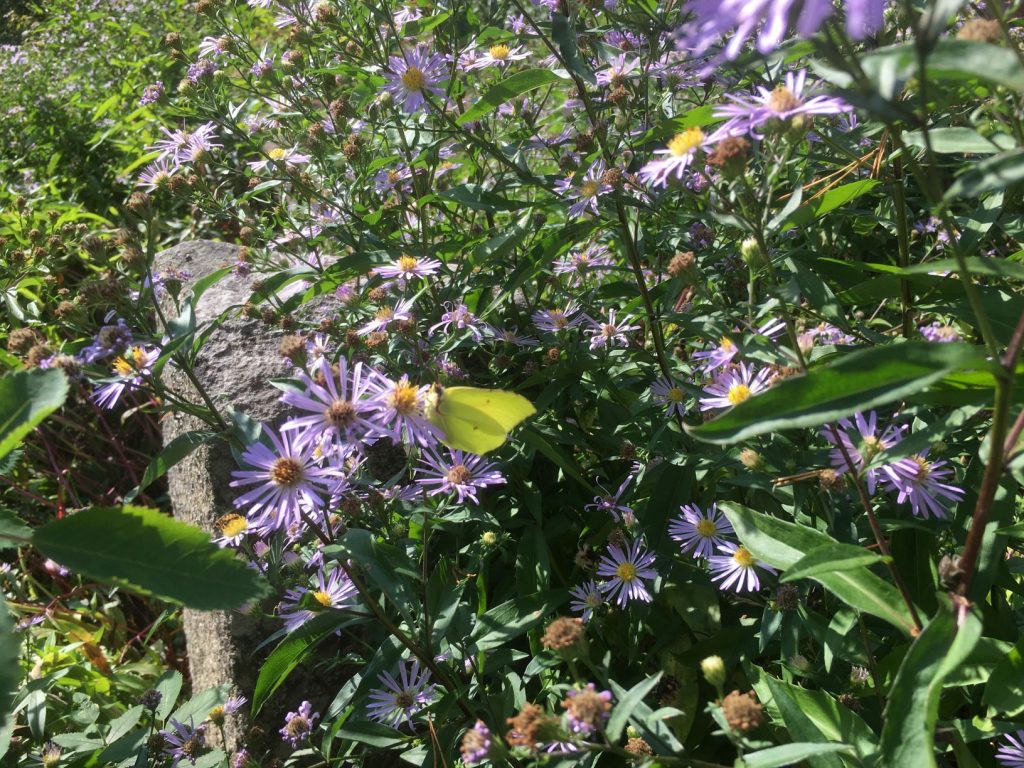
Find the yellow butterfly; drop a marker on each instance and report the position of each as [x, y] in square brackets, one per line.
[473, 419]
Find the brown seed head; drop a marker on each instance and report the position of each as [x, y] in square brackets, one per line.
[563, 633]
[742, 711]
[531, 727]
[294, 348]
[981, 31]
[637, 746]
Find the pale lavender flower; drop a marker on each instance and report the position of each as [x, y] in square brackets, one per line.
[285, 477]
[414, 73]
[131, 371]
[156, 175]
[752, 114]
[299, 725]
[554, 320]
[386, 316]
[626, 571]
[939, 332]
[214, 46]
[920, 482]
[476, 744]
[718, 356]
[699, 533]
[586, 191]
[234, 704]
[619, 70]
[610, 334]
[400, 407]
[863, 439]
[1011, 751]
[183, 742]
[109, 340]
[733, 387]
[339, 409]
[612, 503]
[668, 393]
[461, 473]
[459, 317]
[400, 699]
[587, 599]
[152, 94]
[595, 714]
[512, 336]
[280, 158]
[408, 12]
[334, 592]
[736, 569]
[580, 265]
[200, 70]
[407, 268]
[499, 55]
[678, 155]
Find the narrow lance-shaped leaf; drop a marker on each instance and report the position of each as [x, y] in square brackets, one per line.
[856, 382]
[26, 398]
[147, 551]
[506, 90]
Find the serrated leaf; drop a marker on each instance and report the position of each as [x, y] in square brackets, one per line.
[856, 382]
[908, 735]
[26, 398]
[510, 88]
[152, 553]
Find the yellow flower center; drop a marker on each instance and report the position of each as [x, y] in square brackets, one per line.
[231, 525]
[404, 398]
[872, 446]
[686, 142]
[725, 344]
[413, 79]
[924, 468]
[626, 571]
[783, 100]
[459, 474]
[385, 314]
[499, 52]
[408, 263]
[589, 188]
[276, 153]
[286, 471]
[340, 413]
[558, 318]
[323, 598]
[122, 367]
[743, 558]
[738, 393]
[675, 395]
[706, 528]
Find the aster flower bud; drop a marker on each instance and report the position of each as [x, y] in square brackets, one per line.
[489, 539]
[752, 254]
[750, 458]
[713, 669]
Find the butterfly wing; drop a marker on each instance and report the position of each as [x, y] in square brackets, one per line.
[477, 420]
[506, 408]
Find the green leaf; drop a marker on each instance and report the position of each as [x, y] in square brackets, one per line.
[950, 60]
[10, 671]
[506, 90]
[976, 265]
[997, 172]
[856, 382]
[799, 725]
[782, 545]
[626, 704]
[290, 653]
[507, 621]
[176, 450]
[1004, 691]
[908, 735]
[152, 553]
[26, 398]
[788, 754]
[831, 558]
[562, 32]
[951, 141]
[834, 198]
[382, 565]
[13, 530]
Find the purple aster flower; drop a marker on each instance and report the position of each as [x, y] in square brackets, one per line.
[407, 268]
[400, 699]
[109, 340]
[131, 371]
[619, 70]
[156, 175]
[462, 473]
[152, 94]
[408, 12]
[586, 192]
[459, 316]
[626, 571]
[733, 387]
[386, 316]
[400, 407]
[476, 744]
[736, 569]
[939, 332]
[782, 105]
[677, 156]
[414, 73]
[701, 235]
[299, 725]
[512, 336]
[214, 46]
[499, 55]
[611, 503]
[280, 158]
[184, 742]
[920, 482]
[717, 357]
[242, 759]
[735, 21]
[863, 440]
[580, 265]
[554, 320]
[339, 409]
[610, 334]
[587, 598]
[1011, 751]
[668, 393]
[234, 704]
[334, 591]
[699, 533]
[203, 69]
[285, 478]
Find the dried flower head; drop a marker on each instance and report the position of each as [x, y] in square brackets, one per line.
[564, 633]
[742, 711]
